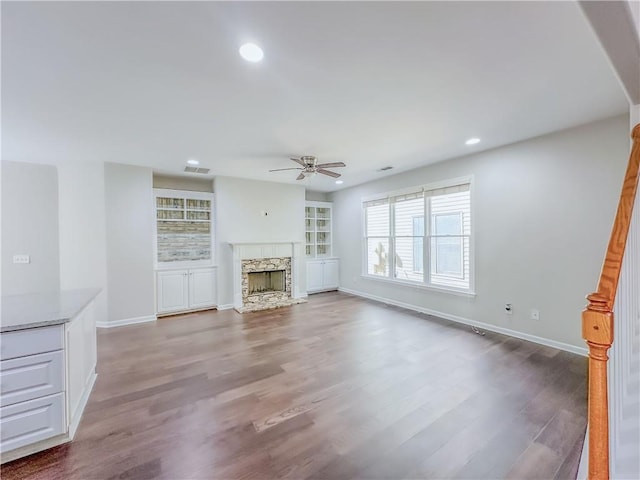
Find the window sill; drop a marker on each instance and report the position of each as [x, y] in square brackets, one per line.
[420, 286]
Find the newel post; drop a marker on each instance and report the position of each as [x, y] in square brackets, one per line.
[597, 330]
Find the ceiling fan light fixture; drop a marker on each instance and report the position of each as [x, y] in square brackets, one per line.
[309, 166]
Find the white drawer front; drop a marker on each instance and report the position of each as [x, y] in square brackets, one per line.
[35, 376]
[32, 421]
[31, 341]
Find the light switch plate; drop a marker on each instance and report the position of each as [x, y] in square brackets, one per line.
[21, 259]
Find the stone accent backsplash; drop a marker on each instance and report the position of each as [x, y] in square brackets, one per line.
[179, 241]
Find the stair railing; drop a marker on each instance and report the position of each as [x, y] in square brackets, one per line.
[598, 322]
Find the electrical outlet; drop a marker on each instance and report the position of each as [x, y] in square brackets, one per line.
[21, 259]
[535, 314]
[508, 308]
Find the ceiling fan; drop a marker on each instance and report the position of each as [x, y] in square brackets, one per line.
[310, 166]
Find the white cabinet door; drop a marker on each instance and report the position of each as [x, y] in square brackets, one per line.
[29, 422]
[330, 274]
[203, 288]
[173, 291]
[314, 275]
[30, 377]
[322, 275]
[31, 341]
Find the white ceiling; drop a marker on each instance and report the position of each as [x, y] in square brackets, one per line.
[369, 84]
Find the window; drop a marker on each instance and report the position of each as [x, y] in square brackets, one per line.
[377, 219]
[418, 244]
[422, 237]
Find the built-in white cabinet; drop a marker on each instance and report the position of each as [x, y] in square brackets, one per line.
[318, 240]
[186, 289]
[202, 288]
[46, 374]
[184, 228]
[186, 276]
[322, 275]
[322, 268]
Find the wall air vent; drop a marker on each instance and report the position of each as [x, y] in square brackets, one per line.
[203, 171]
[384, 169]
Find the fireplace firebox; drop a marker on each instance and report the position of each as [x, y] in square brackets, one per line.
[267, 281]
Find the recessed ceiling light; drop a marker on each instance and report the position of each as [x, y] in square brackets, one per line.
[251, 52]
[472, 141]
[193, 162]
[339, 182]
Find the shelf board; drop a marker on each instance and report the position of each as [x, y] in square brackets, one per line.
[181, 220]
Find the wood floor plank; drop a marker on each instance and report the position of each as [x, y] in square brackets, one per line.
[340, 387]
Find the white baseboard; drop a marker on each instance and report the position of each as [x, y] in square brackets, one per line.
[485, 326]
[75, 421]
[34, 448]
[226, 306]
[126, 321]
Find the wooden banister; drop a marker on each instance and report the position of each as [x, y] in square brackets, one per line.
[597, 320]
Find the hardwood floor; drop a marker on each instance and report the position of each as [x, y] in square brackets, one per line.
[340, 387]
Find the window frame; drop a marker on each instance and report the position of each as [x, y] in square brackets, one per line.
[461, 236]
[426, 283]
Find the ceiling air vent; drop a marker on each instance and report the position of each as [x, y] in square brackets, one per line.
[203, 171]
[384, 169]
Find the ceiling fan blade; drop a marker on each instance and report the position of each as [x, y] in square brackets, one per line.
[297, 160]
[300, 177]
[281, 169]
[327, 172]
[329, 165]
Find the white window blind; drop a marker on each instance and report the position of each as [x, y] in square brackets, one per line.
[423, 236]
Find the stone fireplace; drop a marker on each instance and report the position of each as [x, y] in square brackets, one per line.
[265, 276]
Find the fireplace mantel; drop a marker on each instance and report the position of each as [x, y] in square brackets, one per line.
[247, 251]
[250, 251]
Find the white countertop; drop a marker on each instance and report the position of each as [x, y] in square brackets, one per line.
[42, 309]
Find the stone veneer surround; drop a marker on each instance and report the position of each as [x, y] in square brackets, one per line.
[266, 256]
[261, 301]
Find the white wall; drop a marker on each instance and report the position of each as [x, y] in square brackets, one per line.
[83, 250]
[129, 242]
[317, 196]
[543, 210]
[241, 206]
[191, 184]
[29, 226]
